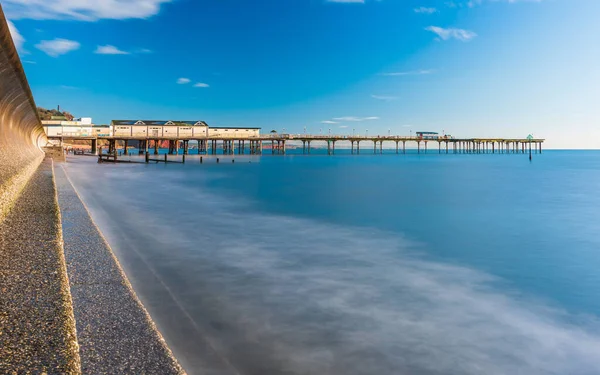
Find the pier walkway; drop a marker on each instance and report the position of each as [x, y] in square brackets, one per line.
[276, 144]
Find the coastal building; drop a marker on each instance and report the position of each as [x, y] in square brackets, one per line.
[171, 129]
[237, 133]
[159, 129]
[78, 128]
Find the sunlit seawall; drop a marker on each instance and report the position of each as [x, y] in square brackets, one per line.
[21, 133]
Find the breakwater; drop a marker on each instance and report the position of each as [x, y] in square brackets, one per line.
[21, 132]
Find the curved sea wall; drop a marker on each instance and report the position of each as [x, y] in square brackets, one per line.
[21, 132]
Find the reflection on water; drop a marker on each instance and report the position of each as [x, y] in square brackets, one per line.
[237, 288]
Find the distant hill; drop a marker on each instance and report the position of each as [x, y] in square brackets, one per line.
[54, 114]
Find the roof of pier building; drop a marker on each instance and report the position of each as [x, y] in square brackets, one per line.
[235, 127]
[159, 122]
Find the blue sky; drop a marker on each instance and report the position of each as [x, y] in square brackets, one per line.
[469, 68]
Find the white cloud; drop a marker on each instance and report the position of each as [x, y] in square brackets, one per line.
[356, 119]
[84, 10]
[343, 126]
[110, 50]
[452, 33]
[142, 50]
[410, 73]
[384, 97]
[57, 47]
[17, 38]
[425, 10]
[328, 122]
[202, 84]
[183, 81]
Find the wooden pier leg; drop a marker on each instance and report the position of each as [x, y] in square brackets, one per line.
[333, 147]
[403, 147]
[396, 147]
[439, 147]
[185, 147]
[425, 146]
[418, 147]
[357, 147]
[374, 147]
[381, 147]
[94, 147]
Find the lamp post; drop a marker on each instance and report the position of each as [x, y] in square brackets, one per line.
[389, 132]
[305, 130]
[367, 132]
[329, 131]
[353, 132]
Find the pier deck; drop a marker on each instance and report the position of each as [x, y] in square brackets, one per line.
[277, 144]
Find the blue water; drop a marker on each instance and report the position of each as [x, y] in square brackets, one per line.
[370, 264]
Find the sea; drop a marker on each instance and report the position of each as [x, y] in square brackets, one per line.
[361, 264]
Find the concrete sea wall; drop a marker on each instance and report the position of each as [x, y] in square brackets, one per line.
[21, 132]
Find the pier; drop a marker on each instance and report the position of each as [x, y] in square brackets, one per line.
[277, 144]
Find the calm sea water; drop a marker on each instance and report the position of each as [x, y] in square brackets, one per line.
[388, 264]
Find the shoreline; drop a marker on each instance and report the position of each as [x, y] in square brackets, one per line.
[115, 331]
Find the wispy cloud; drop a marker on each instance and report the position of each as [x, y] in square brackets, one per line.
[355, 119]
[329, 122]
[183, 81]
[110, 50]
[410, 73]
[425, 10]
[452, 33]
[57, 47]
[473, 3]
[384, 97]
[17, 38]
[343, 126]
[201, 84]
[83, 10]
